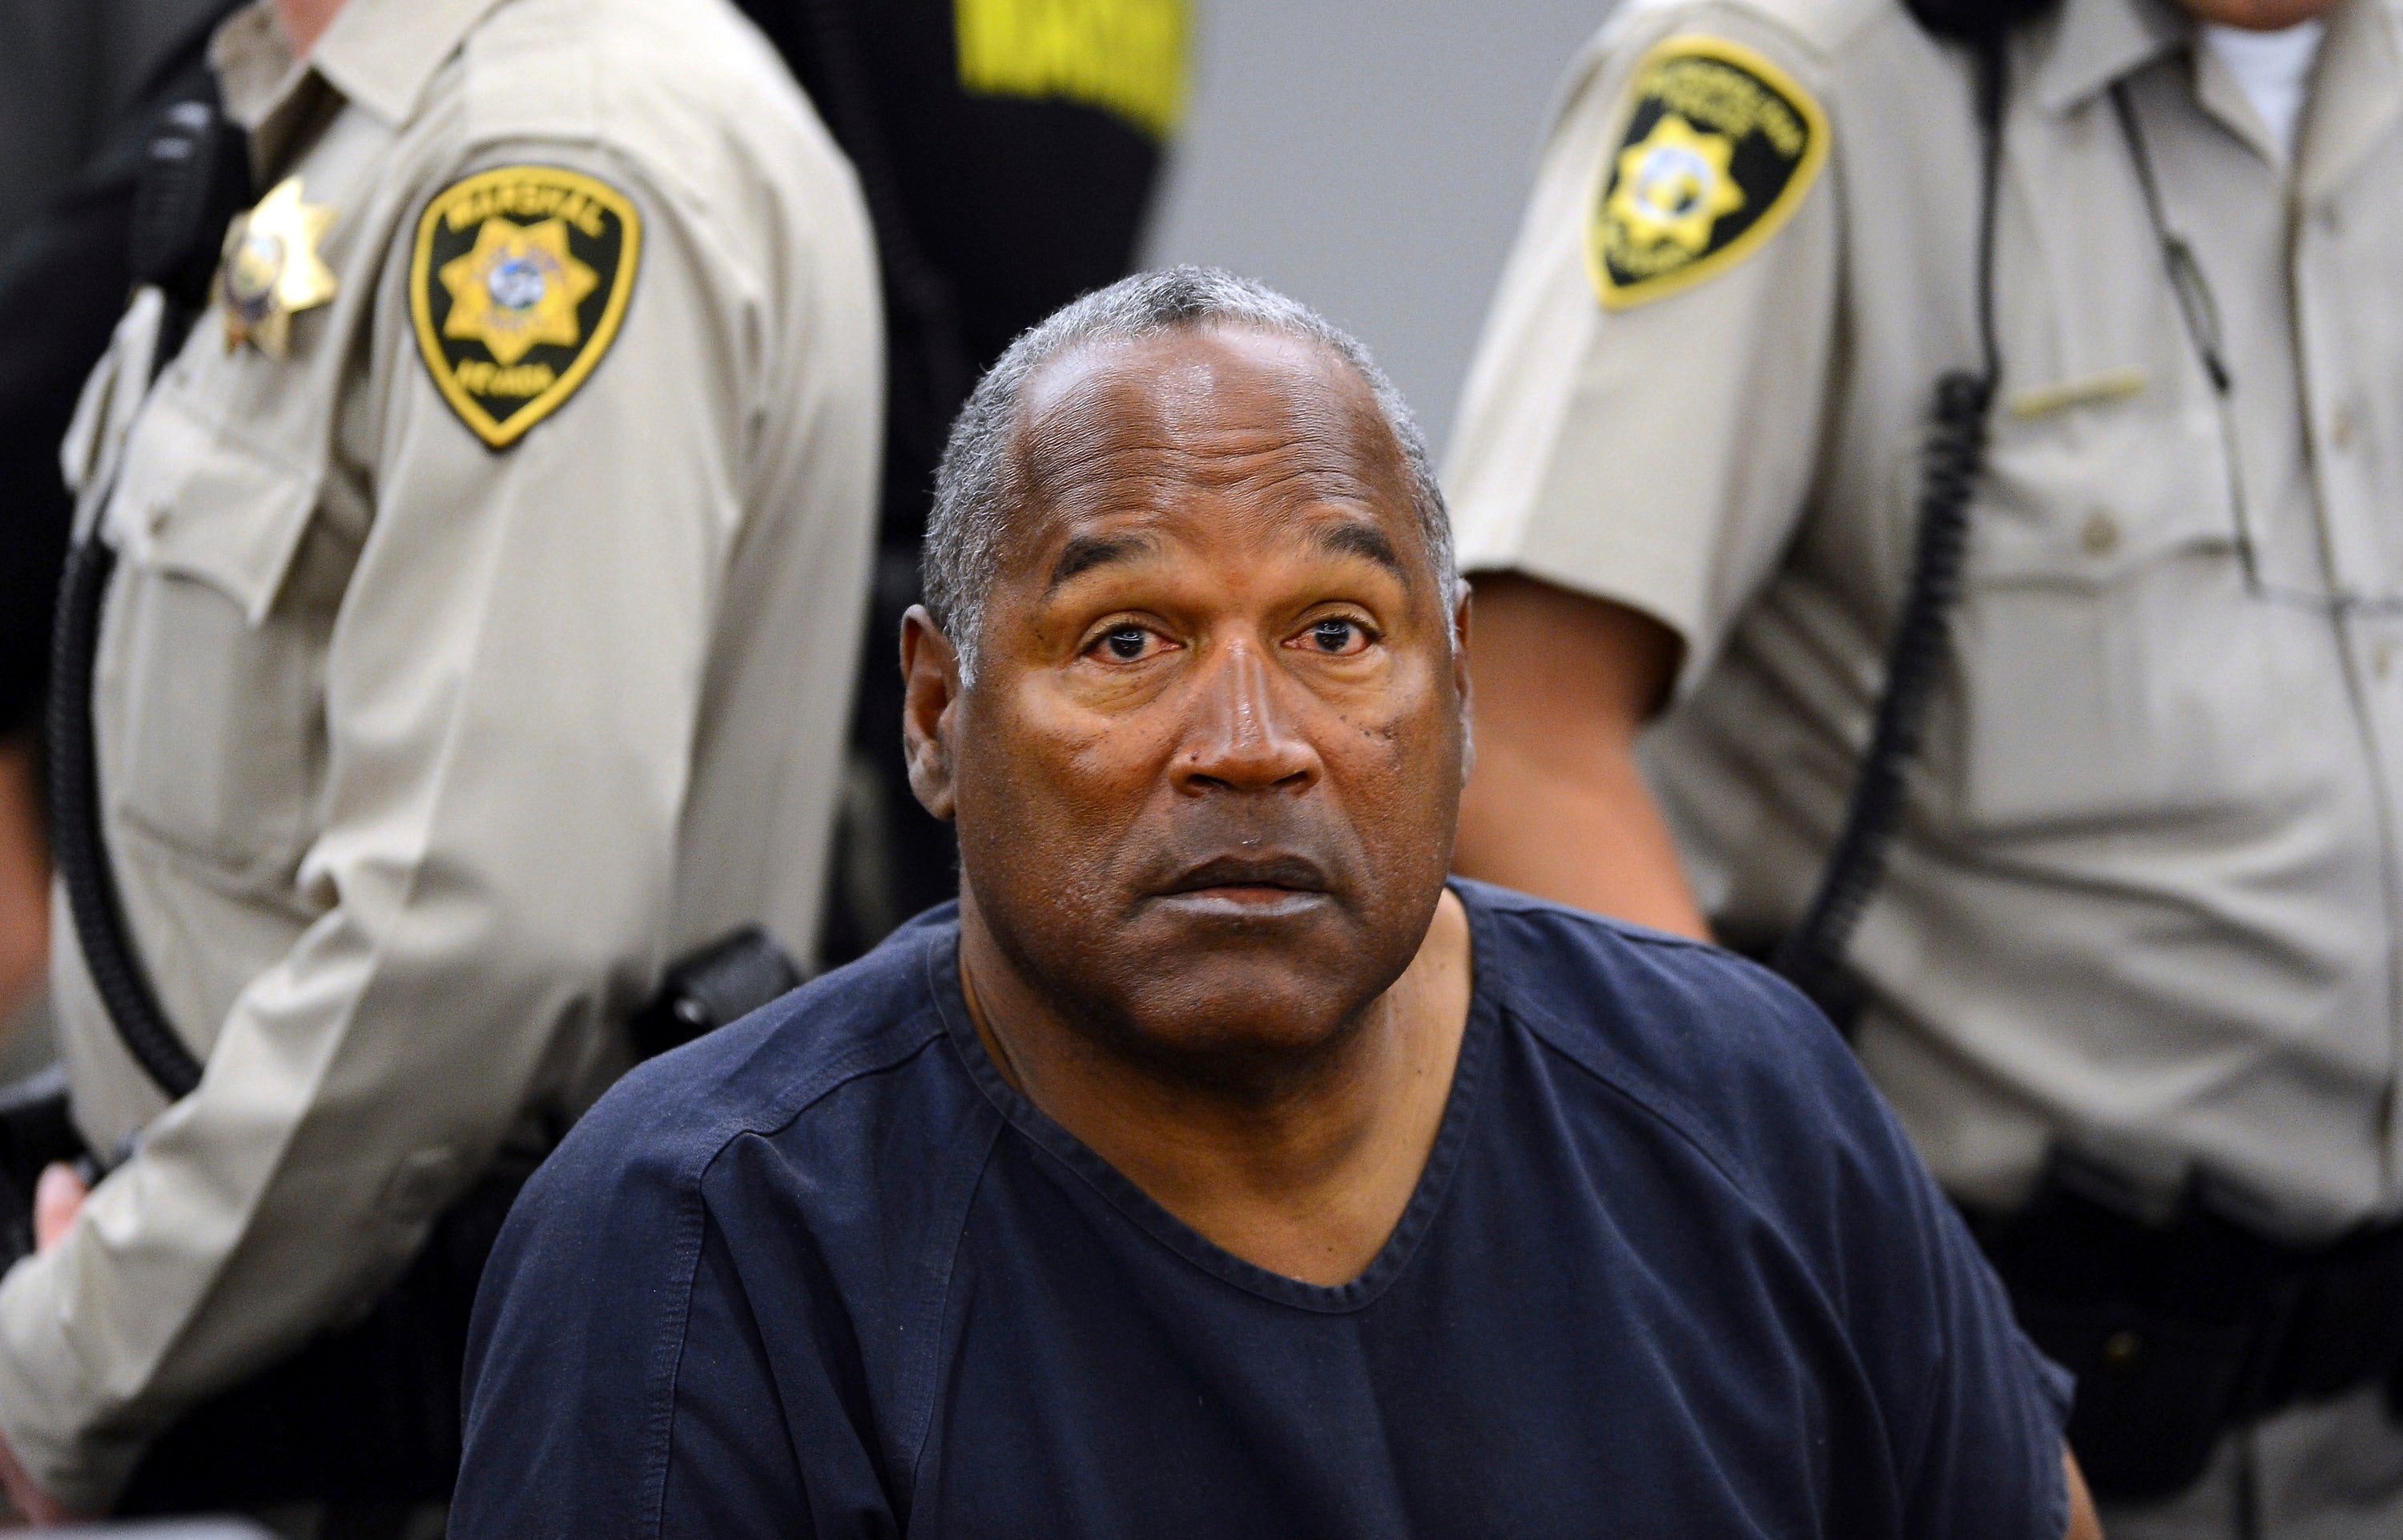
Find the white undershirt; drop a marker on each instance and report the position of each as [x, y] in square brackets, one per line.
[2275, 70]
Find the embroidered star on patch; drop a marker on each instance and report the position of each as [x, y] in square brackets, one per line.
[520, 279]
[1719, 146]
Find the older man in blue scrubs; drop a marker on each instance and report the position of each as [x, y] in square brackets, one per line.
[1214, 1168]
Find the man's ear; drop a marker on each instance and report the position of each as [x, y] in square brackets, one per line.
[1459, 683]
[930, 697]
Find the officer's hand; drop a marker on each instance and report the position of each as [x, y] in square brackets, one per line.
[58, 1198]
[34, 1505]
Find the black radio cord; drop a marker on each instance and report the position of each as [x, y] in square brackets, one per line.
[1811, 955]
[81, 853]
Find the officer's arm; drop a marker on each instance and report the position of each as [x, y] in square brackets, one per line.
[1636, 443]
[1564, 683]
[516, 679]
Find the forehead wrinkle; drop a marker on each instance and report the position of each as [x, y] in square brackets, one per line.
[1133, 429]
[1081, 461]
[1175, 390]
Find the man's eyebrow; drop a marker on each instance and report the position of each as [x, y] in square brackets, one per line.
[1085, 552]
[1350, 539]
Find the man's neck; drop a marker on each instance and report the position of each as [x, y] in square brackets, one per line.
[1304, 1174]
[304, 21]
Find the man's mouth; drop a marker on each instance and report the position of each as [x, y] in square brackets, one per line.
[1261, 885]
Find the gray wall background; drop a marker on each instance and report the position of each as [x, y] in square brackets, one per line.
[1370, 160]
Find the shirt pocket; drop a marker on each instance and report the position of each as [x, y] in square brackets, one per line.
[2112, 668]
[208, 686]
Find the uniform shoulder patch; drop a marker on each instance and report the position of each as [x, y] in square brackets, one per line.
[1719, 148]
[517, 283]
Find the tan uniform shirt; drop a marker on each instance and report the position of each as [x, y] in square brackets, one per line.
[420, 756]
[2144, 903]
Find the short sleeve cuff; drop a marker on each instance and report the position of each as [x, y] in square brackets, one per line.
[48, 1412]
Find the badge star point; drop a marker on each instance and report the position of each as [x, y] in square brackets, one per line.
[272, 270]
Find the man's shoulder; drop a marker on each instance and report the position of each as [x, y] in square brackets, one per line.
[780, 1164]
[826, 1064]
[1725, 1056]
[1539, 933]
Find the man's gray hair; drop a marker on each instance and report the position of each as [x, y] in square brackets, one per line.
[967, 531]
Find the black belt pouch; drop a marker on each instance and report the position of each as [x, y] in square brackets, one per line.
[2179, 1333]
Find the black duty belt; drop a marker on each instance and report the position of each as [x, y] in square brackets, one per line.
[2180, 1332]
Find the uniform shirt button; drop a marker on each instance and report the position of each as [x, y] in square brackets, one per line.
[154, 518]
[2342, 428]
[2381, 660]
[2101, 536]
[2330, 222]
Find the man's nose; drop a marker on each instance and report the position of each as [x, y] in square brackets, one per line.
[1244, 736]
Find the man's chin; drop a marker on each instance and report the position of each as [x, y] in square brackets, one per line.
[1241, 933]
[1199, 982]
[1234, 1041]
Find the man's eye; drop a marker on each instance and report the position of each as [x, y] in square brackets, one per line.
[1127, 644]
[1336, 635]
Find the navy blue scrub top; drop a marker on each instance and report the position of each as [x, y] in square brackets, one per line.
[1670, 1270]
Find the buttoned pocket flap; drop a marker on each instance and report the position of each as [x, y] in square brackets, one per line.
[196, 501]
[2086, 497]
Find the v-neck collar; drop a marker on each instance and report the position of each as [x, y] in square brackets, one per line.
[1469, 1074]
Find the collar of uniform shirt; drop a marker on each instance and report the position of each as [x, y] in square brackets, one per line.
[379, 54]
[2092, 43]
[255, 68]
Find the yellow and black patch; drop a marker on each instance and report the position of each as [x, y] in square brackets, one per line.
[1720, 146]
[520, 278]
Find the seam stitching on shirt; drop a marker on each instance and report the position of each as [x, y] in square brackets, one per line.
[692, 1219]
[943, 1305]
[1544, 1026]
[691, 1225]
[1547, 1029]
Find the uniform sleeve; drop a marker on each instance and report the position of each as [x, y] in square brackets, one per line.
[1658, 454]
[514, 686]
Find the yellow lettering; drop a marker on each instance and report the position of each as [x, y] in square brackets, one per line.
[481, 377]
[525, 203]
[1127, 57]
[1708, 92]
[583, 212]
